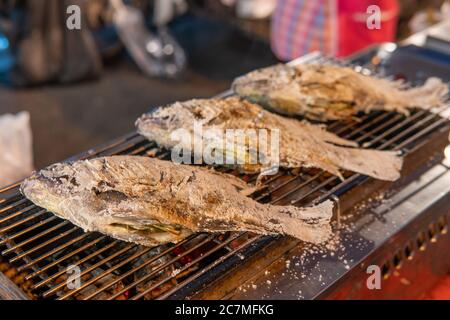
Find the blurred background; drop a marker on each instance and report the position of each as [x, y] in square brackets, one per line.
[84, 86]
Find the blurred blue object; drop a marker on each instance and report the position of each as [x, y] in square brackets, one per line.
[4, 43]
[6, 57]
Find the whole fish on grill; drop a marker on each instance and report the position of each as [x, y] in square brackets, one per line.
[152, 202]
[301, 144]
[328, 92]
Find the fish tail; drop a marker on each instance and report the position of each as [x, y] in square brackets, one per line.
[382, 165]
[433, 93]
[310, 224]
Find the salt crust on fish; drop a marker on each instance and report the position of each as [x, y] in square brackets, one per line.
[301, 144]
[152, 202]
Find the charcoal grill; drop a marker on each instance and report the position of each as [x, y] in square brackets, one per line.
[39, 251]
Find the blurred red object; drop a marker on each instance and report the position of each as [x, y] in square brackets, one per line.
[441, 291]
[357, 27]
[334, 27]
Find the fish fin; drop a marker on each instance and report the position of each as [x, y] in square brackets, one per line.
[382, 165]
[250, 190]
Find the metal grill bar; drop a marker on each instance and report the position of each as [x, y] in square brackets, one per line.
[52, 252]
[12, 206]
[33, 238]
[29, 229]
[17, 213]
[294, 190]
[23, 221]
[12, 186]
[64, 258]
[93, 267]
[81, 261]
[108, 146]
[187, 266]
[44, 244]
[160, 268]
[107, 272]
[140, 267]
[211, 266]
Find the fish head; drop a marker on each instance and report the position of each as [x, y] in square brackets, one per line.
[47, 187]
[262, 81]
[69, 190]
[159, 124]
[79, 193]
[164, 118]
[180, 121]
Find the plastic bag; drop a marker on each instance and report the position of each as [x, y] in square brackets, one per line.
[16, 154]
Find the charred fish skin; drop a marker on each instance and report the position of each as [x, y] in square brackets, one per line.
[301, 144]
[151, 202]
[326, 92]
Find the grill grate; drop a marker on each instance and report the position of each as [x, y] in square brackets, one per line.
[45, 248]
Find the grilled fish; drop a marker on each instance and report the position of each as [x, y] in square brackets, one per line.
[301, 144]
[329, 92]
[151, 202]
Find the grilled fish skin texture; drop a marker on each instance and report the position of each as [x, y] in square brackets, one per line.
[327, 92]
[151, 202]
[301, 144]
